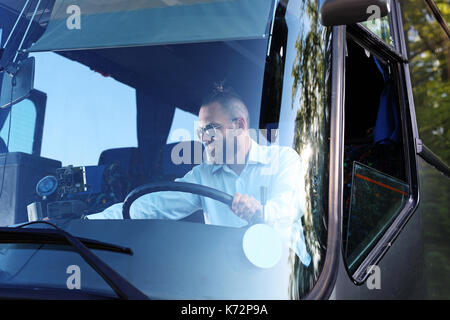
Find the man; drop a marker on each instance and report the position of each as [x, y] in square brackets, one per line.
[239, 166]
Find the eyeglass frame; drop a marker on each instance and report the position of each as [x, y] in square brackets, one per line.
[201, 131]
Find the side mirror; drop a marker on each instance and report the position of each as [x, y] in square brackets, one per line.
[340, 12]
[17, 85]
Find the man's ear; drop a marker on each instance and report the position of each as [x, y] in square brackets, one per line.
[241, 123]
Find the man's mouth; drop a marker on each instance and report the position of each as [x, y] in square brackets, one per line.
[211, 150]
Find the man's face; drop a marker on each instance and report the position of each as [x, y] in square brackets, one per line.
[221, 134]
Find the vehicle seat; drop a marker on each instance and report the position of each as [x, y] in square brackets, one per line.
[118, 172]
[126, 162]
[168, 167]
[174, 163]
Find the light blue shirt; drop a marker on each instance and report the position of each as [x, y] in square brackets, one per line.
[276, 168]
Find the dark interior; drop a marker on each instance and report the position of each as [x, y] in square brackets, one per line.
[373, 128]
[364, 84]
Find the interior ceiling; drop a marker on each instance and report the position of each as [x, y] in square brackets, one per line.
[188, 69]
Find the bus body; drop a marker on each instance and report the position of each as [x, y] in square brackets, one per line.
[99, 105]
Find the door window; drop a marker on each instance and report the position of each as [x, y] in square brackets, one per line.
[17, 131]
[380, 27]
[376, 199]
[375, 180]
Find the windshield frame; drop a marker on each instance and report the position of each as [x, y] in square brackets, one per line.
[324, 286]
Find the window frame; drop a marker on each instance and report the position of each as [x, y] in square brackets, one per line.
[39, 100]
[399, 62]
[324, 286]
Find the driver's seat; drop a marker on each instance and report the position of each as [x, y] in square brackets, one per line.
[168, 166]
[167, 170]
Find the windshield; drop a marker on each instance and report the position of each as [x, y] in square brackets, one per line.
[227, 100]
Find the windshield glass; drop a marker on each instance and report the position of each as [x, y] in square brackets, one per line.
[236, 116]
[143, 22]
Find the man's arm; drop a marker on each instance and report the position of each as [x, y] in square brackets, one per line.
[159, 205]
[286, 203]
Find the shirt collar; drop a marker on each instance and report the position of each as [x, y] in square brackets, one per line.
[257, 154]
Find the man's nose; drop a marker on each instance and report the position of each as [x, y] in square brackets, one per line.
[206, 138]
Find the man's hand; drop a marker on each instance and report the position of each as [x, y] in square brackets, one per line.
[245, 206]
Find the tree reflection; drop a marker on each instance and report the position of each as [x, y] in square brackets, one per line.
[311, 71]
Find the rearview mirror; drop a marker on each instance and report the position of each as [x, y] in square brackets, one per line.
[16, 86]
[340, 12]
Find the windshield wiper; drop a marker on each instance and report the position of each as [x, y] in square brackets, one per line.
[50, 236]
[120, 285]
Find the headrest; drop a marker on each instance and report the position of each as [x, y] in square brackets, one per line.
[129, 159]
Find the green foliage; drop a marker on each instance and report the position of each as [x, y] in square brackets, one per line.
[429, 58]
[310, 72]
[434, 207]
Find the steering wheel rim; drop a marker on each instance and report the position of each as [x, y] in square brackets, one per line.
[174, 186]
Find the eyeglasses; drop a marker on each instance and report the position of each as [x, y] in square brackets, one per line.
[210, 130]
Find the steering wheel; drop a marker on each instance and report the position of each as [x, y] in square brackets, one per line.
[174, 186]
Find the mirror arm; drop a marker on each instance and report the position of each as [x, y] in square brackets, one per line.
[27, 30]
[15, 25]
[2, 50]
